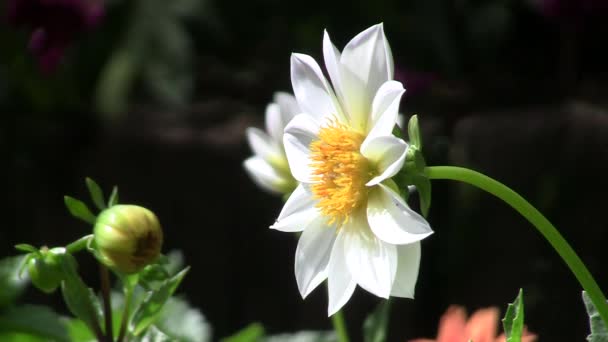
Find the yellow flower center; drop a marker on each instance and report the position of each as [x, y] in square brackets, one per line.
[339, 172]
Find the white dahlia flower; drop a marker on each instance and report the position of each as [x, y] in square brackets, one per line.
[268, 167]
[356, 228]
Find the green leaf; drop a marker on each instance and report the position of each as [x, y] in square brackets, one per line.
[80, 300]
[513, 322]
[10, 336]
[113, 197]
[413, 132]
[36, 320]
[78, 330]
[79, 210]
[304, 336]
[376, 324]
[96, 193]
[11, 284]
[423, 185]
[251, 333]
[599, 333]
[24, 247]
[153, 334]
[179, 320]
[150, 308]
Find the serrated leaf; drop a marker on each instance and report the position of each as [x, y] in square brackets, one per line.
[376, 324]
[11, 284]
[80, 300]
[513, 322]
[183, 322]
[251, 333]
[113, 197]
[96, 193]
[24, 247]
[79, 210]
[150, 308]
[36, 320]
[599, 333]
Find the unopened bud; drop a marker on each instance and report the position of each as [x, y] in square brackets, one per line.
[45, 268]
[127, 237]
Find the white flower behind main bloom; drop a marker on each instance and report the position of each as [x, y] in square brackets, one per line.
[356, 227]
[268, 167]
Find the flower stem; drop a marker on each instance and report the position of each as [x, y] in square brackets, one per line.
[125, 313]
[79, 244]
[107, 303]
[339, 326]
[549, 232]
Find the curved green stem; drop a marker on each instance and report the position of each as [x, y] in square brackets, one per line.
[339, 326]
[79, 244]
[549, 232]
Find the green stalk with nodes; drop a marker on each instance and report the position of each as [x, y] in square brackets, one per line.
[126, 241]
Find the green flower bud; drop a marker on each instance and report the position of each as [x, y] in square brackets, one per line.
[44, 268]
[127, 237]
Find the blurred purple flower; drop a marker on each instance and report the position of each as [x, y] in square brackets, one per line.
[54, 24]
[415, 82]
[570, 9]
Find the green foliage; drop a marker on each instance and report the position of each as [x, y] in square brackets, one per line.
[155, 49]
[412, 172]
[182, 322]
[153, 334]
[413, 132]
[96, 193]
[304, 336]
[599, 333]
[513, 322]
[78, 330]
[31, 323]
[376, 324]
[150, 308]
[79, 210]
[80, 299]
[113, 200]
[45, 268]
[11, 284]
[251, 333]
[24, 247]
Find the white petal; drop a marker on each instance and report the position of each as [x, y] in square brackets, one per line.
[312, 255]
[298, 211]
[264, 175]
[274, 122]
[369, 56]
[315, 96]
[392, 220]
[288, 107]
[408, 264]
[331, 56]
[385, 108]
[340, 283]
[299, 133]
[387, 154]
[371, 262]
[262, 144]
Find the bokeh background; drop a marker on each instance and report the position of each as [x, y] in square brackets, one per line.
[155, 95]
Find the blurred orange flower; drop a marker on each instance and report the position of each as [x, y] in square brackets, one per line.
[481, 327]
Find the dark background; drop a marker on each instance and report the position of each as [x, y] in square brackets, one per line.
[514, 89]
